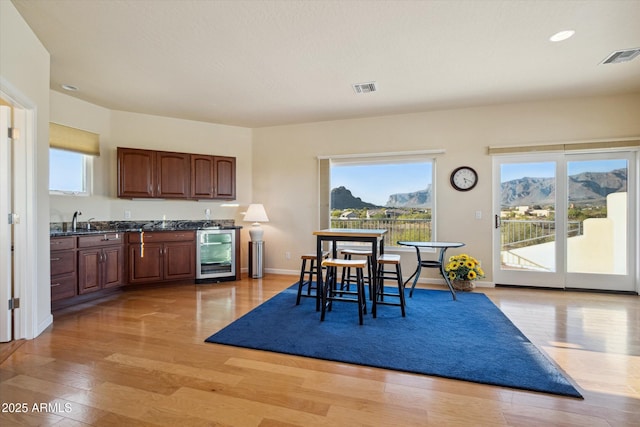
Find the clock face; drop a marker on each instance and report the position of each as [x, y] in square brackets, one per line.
[464, 178]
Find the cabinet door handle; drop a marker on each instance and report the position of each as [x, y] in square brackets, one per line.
[53, 285]
[55, 259]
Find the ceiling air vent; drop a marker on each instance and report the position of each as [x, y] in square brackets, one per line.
[622, 56]
[365, 87]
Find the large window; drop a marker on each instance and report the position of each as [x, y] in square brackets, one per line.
[69, 172]
[392, 193]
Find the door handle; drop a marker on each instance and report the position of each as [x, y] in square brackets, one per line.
[497, 221]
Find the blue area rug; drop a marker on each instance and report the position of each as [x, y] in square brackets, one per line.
[469, 339]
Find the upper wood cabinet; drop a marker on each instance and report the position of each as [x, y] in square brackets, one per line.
[172, 175]
[136, 173]
[225, 173]
[213, 177]
[161, 174]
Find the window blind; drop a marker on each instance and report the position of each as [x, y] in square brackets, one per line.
[575, 146]
[72, 139]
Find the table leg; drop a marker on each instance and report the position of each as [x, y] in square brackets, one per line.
[319, 284]
[445, 276]
[416, 273]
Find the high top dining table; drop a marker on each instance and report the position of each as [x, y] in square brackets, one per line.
[374, 237]
[439, 264]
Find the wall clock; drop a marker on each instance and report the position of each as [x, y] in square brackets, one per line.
[464, 178]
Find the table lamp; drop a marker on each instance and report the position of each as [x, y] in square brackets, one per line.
[256, 214]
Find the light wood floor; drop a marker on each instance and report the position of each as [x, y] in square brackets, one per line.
[139, 358]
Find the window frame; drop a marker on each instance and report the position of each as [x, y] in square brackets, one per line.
[87, 182]
[325, 185]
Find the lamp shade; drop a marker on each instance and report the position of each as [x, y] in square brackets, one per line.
[256, 213]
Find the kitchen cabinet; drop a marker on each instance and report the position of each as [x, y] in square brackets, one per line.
[161, 256]
[153, 174]
[136, 173]
[225, 177]
[100, 262]
[213, 177]
[63, 268]
[170, 175]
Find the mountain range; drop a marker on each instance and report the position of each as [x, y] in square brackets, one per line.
[584, 188]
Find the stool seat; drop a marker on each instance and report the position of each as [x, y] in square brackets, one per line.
[389, 259]
[362, 252]
[314, 256]
[353, 263]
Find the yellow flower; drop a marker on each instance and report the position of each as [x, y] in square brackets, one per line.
[470, 264]
[452, 275]
[471, 275]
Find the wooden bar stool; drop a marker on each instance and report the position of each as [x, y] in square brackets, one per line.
[309, 283]
[383, 274]
[332, 293]
[347, 276]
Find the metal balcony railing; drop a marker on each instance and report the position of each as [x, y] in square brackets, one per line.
[397, 229]
[520, 233]
[514, 233]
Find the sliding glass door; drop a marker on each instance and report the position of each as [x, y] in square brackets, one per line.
[566, 221]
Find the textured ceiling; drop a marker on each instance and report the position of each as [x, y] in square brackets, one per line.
[265, 63]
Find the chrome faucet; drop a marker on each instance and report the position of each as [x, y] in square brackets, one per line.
[89, 223]
[74, 221]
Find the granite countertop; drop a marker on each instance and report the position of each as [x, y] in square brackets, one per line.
[101, 227]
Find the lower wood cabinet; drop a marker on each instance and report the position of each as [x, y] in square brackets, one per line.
[161, 256]
[88, 263]
[100, 262]
[63, 268]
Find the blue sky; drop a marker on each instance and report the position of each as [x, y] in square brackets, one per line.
[67, 174]
[374, 183]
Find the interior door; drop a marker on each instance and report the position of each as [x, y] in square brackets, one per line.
[566, 220]
[6, 232]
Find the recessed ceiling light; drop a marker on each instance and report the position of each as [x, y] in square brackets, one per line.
[561, 35]
[70, 88]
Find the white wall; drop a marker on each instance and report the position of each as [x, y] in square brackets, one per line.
[285, 176]
[24, 75]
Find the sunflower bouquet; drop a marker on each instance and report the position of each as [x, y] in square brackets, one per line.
[463, 267]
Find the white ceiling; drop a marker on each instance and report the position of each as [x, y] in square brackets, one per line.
[265, 63]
